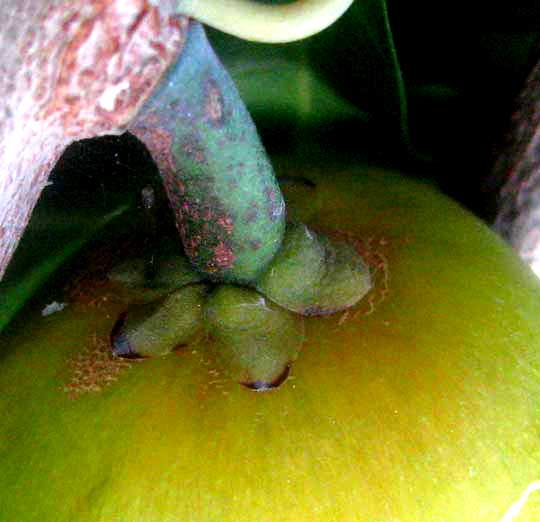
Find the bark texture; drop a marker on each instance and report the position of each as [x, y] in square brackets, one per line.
[517, 170]
[71, 69]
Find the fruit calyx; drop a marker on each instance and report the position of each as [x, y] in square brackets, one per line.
[256, 334]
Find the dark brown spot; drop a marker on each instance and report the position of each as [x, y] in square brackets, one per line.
[251, 215]
[214, 103]
[223, 256]
[193, 149]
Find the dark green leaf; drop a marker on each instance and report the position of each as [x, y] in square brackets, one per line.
[358, 57]
[50, 240]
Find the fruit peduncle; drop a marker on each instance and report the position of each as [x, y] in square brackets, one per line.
[228, 206]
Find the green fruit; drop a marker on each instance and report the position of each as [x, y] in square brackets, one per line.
[419, 404]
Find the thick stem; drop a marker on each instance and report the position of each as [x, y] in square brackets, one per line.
[228, 205]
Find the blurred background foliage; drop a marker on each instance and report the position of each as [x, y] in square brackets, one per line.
[426, 88]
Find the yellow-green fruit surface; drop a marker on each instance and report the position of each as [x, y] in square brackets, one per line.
[422, 403]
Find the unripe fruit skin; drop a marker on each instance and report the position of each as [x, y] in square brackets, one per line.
[419, 404]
